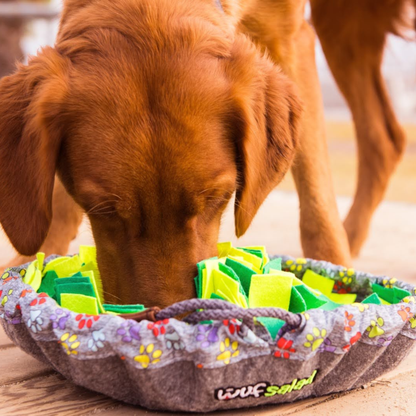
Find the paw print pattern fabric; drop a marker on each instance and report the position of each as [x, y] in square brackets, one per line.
[173, 365]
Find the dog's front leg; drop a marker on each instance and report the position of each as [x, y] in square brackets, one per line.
[322, 233]
[353, 35]
[280, 28]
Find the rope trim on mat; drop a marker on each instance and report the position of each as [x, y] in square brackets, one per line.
[215, 309]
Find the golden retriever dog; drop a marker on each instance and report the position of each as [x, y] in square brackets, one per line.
[149, 115]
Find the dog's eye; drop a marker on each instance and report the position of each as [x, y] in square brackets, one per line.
[218, 200]
[106, 208]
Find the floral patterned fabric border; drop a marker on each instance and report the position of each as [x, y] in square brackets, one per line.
[149, 345]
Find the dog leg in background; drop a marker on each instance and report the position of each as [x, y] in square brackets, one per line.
[66, 218]
[280, 28]
[353, 36]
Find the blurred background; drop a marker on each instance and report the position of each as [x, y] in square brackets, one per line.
[26, 26]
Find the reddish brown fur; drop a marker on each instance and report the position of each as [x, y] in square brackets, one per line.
[154, 113]
[354, 52]
[152, 117]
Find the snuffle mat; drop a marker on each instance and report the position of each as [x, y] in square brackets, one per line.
[261, 331]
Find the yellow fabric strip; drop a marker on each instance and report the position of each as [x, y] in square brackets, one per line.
[207, 279]
[250, 258]
[79, 303]
[245, 263]
[68, 267]
[226, 285]
[88, 254]
[91, 275]
[264, 252]
[318, 282]
[269, 290]
[33, 276]
[224, 249]
[325, 286]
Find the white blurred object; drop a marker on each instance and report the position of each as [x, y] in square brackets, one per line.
[42, 31]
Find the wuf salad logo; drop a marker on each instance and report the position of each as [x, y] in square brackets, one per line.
[261, 389]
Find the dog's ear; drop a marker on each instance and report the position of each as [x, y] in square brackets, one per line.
[265, 125]
[30, 138]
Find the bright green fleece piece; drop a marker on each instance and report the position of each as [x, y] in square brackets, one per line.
[198, 287]
[273, 325]
[200, 266]
[270, 290]
[297, 303]
[373, 298]
[262, 249]
[48, 284]
[244, 273]
[230, 272]
[85, 289]
[215, 296]
[79, 303]
[76, 278]
[120, 309]
[383, 292]
[390, 295]
[328, 305]
[311, 300]
[253, 251]
[400, 294]
[198, 279]
[275, 264]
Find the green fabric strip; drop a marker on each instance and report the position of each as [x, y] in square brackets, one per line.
[48, 284]
[273, 325]
[215, 296]
[275, 264]
[243, 272]
[85, 289]
[297, 304]
[373, 298]
[120, 309]
[311, 300]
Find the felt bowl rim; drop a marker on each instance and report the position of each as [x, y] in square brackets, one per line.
[321, 267]
[34, 341]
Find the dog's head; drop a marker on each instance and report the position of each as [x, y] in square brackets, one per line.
[151, 143]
